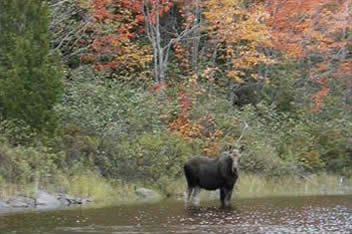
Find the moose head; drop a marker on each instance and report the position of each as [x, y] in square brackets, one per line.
[235, 156]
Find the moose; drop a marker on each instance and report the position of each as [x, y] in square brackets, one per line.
[211, 174]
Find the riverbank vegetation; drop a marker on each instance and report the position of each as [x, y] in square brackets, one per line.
[100, 96]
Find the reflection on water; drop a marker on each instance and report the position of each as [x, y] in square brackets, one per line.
[262, 215]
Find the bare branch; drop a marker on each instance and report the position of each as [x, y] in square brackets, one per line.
[243, 131]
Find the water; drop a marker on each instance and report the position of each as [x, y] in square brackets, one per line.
[318, 214]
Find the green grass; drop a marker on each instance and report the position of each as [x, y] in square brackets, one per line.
[8, 190]
[101, 190]
[249, 186]
[260, 186]
[84, 185]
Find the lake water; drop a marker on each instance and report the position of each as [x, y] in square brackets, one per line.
[314, 214]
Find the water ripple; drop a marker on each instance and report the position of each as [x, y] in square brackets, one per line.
[325, 214]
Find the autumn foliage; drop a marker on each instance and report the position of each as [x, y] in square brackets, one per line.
[202, 42]
[240, 36]
[114, 30]
[317, 32]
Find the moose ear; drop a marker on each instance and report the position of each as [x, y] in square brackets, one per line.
[228, 147]
[242, 148]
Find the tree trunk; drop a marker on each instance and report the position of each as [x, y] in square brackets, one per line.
[196, 35]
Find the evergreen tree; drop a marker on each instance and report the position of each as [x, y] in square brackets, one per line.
[30, 77]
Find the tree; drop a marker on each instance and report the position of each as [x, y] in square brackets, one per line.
[69, 22]
[120, 31]
[238, 39]
[318, 35]
[113, 48]
[30, 77]
[153, 12]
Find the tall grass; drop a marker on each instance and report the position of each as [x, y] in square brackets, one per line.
[8, 190]
[249, 186]
[108, 192]
[260, 186]
[98, 188]
[83, 185]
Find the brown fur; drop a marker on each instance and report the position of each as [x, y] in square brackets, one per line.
[213, 173]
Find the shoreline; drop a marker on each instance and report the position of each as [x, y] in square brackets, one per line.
[209, 197]
[248, 186]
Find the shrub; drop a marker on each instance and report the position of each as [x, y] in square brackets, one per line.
[281, 143]
[27, 164]
[107, 108]
[17, 132]
[149, 157]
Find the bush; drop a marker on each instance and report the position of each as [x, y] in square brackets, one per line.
[17, 132]
[281, 143]
[149, 157]
[27, 164]
[262, 158]
[107, 108]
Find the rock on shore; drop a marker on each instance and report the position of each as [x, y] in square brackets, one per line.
[147, 195]
[41, 200]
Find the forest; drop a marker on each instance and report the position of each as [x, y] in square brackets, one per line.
[96, 94]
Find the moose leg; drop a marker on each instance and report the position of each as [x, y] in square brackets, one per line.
[228, 197]
[225, 197]
[222, 196]
[192, 196]
[189, 193]
[195, 195]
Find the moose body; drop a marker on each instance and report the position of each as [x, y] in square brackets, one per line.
[211, 174]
